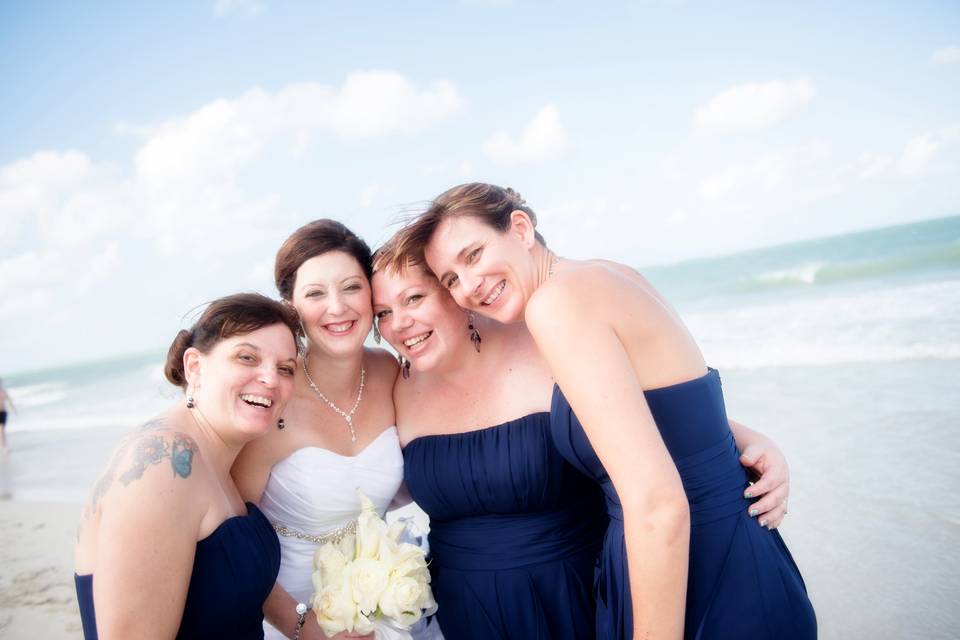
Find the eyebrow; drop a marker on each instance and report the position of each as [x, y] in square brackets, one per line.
[323, 284]
[248, 344]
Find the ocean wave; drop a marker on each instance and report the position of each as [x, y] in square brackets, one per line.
[39, 394]
[820, 272]
[885, 324]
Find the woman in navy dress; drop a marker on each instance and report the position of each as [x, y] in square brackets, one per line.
[638, 411]
[167, 547]
[515, 530]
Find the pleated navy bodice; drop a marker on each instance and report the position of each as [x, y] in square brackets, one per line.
[514, 532]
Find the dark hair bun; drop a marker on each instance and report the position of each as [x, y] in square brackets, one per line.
[173, 369]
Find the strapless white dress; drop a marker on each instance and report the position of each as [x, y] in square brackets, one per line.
[313, 491]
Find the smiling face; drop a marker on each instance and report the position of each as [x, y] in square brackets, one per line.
[418, 318]
[332, 295]
[245, 380]
[488, 271]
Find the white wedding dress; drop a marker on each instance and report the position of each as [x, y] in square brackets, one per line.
[313, 492]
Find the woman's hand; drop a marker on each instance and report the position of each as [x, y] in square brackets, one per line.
[772, 486]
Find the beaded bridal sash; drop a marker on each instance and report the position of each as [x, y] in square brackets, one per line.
[331, 536]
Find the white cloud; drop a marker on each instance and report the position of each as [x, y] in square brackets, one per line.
[918, 153]
[188, 170]
[753, 106]
[871, 166]
[543, 139]
[99, 267]
[223, 8]
[762, 175]
[946, 55]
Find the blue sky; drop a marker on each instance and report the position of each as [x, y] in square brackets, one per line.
[154, 155]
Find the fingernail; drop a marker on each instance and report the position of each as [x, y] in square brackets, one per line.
[763, 522]
[754, 512]
[748, 494]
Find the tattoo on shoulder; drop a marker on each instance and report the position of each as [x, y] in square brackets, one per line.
[147, 449]
[152, 449]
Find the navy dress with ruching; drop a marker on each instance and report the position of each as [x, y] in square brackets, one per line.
[514, 532]
[742, 580]
[234, 570]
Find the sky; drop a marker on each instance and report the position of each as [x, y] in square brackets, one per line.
[153, 156]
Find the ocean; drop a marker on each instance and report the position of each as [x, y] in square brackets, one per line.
[845, 350]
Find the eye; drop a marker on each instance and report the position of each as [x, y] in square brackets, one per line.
[316, 293]
[353, 287]
[413, 299]
[473, 255]
[246, 357]
[381, 314]
[451, 282]
[286, 370]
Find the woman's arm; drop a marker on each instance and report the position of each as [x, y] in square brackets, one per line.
[764, 459]
[147, 534]
[593, 370]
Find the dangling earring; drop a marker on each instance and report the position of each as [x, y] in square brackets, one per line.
[191, 403]
[474, 334]
[404, 367]
[281, 424]
[376, 332]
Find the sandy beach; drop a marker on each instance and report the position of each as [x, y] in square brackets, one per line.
[37, 597]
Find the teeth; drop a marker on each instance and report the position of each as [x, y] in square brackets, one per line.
[417, 340]
[496, 293]
[343, 326]
[249, 398]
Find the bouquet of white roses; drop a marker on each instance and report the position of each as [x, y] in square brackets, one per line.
[370, 578]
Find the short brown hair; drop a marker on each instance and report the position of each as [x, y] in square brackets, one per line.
[224, 318]
[487, 202]
[314, 239]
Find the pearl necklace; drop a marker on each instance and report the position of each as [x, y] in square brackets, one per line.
[348, 416]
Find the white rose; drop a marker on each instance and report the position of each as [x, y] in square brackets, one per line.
[348, 546]
[408, 560]
[368, 579]
[329, 562]
[334, 609]
[399, 601]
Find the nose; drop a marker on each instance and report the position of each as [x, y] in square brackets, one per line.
[335, 305]
[399, 320]
[269, 376]
[467, 288]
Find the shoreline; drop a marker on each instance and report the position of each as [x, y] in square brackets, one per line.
[37, 596]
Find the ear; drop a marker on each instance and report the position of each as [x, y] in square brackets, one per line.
[522, 226]
[191, 366]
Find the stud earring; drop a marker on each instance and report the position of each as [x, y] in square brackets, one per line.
[404, 367]
[376, 332]
[281, 424]
[474, 334]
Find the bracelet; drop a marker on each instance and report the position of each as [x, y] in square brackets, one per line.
[302, 617]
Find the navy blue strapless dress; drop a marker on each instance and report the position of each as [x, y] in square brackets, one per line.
[742, 581]
[514, 532]
[234, 570]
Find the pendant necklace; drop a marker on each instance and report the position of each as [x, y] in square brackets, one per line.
[346, 415]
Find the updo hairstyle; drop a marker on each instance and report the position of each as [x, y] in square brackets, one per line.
[314, 239]
[238, 314]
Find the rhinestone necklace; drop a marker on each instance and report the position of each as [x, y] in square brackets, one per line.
[348, 416]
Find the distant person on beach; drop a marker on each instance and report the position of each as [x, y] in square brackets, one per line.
[167, 547]
[5, 399]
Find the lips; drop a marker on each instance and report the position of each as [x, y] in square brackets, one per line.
[256, 401]
[413, 344]
[340, 328]
[494, 295]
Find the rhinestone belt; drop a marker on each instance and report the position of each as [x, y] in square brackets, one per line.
[331, 536]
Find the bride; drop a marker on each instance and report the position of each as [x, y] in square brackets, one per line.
[337, 434]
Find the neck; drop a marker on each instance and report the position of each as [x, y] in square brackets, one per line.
[337, 377]
[218, 449]
[544, 262]
[460, 369]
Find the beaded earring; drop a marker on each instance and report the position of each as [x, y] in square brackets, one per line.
[474, 334]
